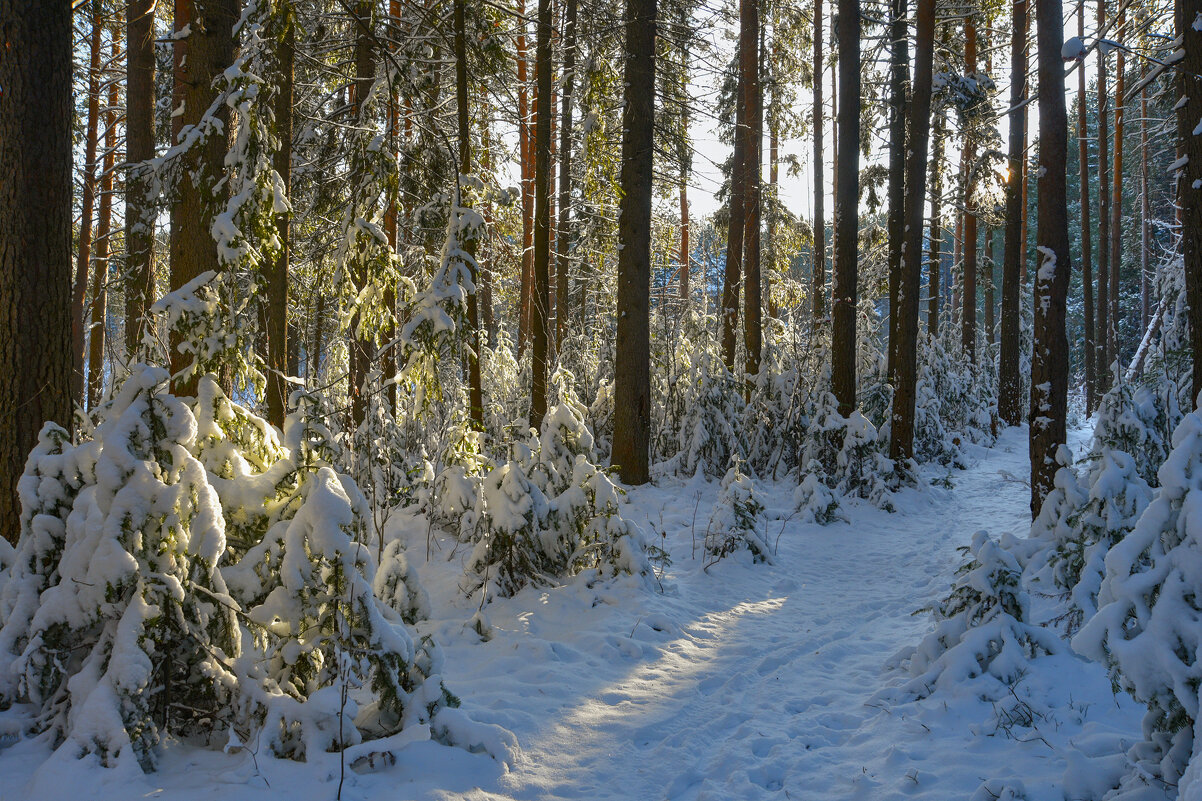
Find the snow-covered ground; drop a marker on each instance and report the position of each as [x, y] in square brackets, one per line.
[740, 681]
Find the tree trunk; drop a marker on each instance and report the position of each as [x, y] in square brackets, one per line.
[753, 102]
[202, 54]
[1103, 306]
[847, 209]
[84, 260]
[968, 318]
[632, 382]
[1049, 359]
[276, 271]
[990, 294]
[734, 241]
[563, 236]
[1189, 197]
[685, 261]
[526, 159]
[35, 236]
[139, 147]
[475, 387]
[899, 76]
[1116, 201]
[1009, 381]
[104, 220]
[935, 239]
[1145, 204]
[819, 282]
[1090, 355]
[361, 348]
[540, 302]
[901, 444]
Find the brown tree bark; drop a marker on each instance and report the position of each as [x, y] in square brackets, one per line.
[87, 207]
[104, 220]
[968, 316]
[275, 273]
[733, 273]
[901, 443]
[1116, 200]
[1145, 205]
[139, 147]
[819, 277]
[1090, 355]
[362, 349]
[847, 211]
[899, 76]
[685, 261]
[1189, 197]
[990, 291]
[526, 159]
[540, 302]
[35, 235]
[563, 238]
[1009, 380]
[632, 377]
[1102, 341]
[464, 120]
[201, 55]
[1049, 360]
[935, 238]
[749, 52]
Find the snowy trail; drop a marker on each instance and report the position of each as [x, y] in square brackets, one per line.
[756, 682]
[744, 682]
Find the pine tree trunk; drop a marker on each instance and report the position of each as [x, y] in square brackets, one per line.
[200, 56]
[139, 147]
[632, 382]
[563, 236]
[843, 302]
[1145, 205]
[901, 445]
[738, 216]
[935, 238]
[84, 259]
[1102, 341]
[1049, 360]
[1116, 201]
[35, 236]
[685, 261]
[899, 76]
[526, 159]
[104, 220]
[1090, 355]
[753, 155]
[276, 270]
[362, 350]
[819, 277]
[1189, 197]
[1009, 381]
[968, 318]
[540, 301]
[990, 293]
[463, 117]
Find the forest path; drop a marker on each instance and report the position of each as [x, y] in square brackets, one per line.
[746, 681]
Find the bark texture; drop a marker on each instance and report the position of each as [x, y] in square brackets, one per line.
[1009, 381]
[847, 176]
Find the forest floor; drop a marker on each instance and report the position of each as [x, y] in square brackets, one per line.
[736, 681]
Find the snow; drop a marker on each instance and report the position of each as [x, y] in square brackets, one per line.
[746, 681]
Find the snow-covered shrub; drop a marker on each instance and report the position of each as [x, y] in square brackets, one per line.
[54, 474]
[1117, 498]
[815, 502]
[980, 627]
[703, 419]
[1137, 421]
[1148, 627]
[848, 451]
[936, 437]
[136, 637]
[138, 619]
[549, 512]
[736, 523]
